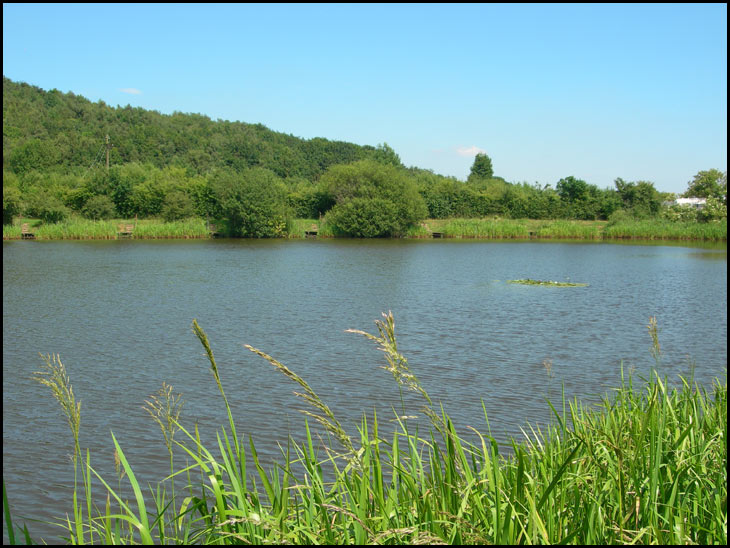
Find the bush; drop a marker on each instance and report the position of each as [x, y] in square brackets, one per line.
[253, 203]
[47, 208]
[98, 208]
[177, 206]
[364, 218]
[680, 213]
[715, 210]
[11, 204]
[372, 199]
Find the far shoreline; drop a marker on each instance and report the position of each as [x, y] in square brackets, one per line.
[457, 228]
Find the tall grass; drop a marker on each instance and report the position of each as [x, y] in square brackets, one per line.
[492, 228]
[648, 465]
[78, 228]
[485, 228]
[569, 230]
[659, 229]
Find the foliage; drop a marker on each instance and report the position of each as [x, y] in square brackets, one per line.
[47, 208]
[680, 213]
[11, 200]
[481, 168]
[46, 130]
[708, 184]
[253, 203]
[386, 155]
[640, 198]
[98, 207]
[166, 165]
[372, 199]
[177, 205]
[364, 218]
[715, 210]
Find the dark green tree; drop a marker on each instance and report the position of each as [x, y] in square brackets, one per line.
[708, 184]
[395, 203]
[386, 155]
[253, 203]
[11, 200]
[481, 168]
[640, 199]
[177, 206]
[98, 207]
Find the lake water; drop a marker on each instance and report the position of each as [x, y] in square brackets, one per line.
[119, 314]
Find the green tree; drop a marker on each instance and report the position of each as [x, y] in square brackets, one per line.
[253, 203]
[640, 199]
[481, 168]
[98, 207]
[364, 218]
[396, 203]
[386, 155]
[572, 190]
[11, 200]
[708, 184]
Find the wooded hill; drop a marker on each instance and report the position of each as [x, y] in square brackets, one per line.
[51, 130]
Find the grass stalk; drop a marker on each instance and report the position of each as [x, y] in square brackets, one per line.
[648, 464]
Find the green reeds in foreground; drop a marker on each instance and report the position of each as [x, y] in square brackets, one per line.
[648, 465]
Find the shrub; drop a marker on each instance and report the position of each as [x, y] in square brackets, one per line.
[253, 203]
[177, 206]
[11, 204]
[364, 218]
[47, 208]
[715, 210]
[98, 208]
[383, 199]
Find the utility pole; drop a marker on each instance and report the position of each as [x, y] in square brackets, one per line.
[108, 148]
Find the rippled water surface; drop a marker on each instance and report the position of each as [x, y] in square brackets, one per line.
[119, 313]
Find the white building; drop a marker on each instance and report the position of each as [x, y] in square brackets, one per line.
[697, 203]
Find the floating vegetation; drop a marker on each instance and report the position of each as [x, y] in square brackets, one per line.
[528, 281]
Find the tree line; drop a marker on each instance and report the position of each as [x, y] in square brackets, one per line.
[255, 180]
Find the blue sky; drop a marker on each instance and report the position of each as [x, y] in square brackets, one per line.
[547, 90]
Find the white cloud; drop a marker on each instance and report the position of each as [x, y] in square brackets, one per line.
[470, 151]
[131, 91]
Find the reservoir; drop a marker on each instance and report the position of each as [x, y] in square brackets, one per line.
[119, 314]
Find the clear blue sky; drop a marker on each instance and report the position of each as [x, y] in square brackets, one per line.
[594, 91]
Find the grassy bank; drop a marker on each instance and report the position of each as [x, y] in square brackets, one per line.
[647, 466]
[83, 229]
[656, 229]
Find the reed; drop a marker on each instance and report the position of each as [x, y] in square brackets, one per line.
[77, 228]
[659, 229]
[562, 229]
[486, 228]
[297, 228]
[647, 465]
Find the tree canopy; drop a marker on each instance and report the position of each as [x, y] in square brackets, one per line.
[255, 179]
[708, 184]
[372, 199]
[481, 168]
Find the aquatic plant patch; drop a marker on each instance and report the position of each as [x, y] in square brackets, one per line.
[528, 281]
